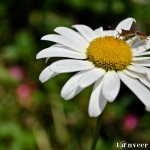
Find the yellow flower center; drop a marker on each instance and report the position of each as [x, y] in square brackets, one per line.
[109, 53]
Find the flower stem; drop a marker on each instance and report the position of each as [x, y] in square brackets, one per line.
[96, 134]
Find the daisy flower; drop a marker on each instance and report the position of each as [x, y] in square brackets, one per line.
[101, 57]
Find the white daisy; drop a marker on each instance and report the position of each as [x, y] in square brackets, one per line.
[100, 57]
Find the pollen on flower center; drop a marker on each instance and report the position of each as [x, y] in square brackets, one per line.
[109, 53]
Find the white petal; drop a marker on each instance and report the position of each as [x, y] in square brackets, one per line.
[72, 35]
[142, 77]
[134, 52]
[46, 74]
[141, 63]
[86, 32]
[142, 54]
[59, 46]
[140, 58]
[147, 108]
[62, 46]
[47, 59]
[60, 52]
[137, 51]
[125, 24]
[71, 88]
[137, 88]
[111, 85]
[70, 65]
[142, 48]
[148, 76]
[99, 31]
[145, 81]
[97, 101]
[135, 42]
[64, 41]
[131, 74]
[108, 33]
[90, 77]
[138, 69]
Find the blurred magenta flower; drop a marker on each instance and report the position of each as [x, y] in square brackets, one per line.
[130, 122]
[24, 91]
[17, 72]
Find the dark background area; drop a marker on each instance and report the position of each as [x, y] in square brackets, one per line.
[33, 116]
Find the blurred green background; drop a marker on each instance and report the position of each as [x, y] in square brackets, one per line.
[33, 116]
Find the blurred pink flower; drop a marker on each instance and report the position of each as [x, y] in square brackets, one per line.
[17, 72]
[130, 122]
[24, 91]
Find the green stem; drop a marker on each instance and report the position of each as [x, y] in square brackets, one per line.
[96, 134]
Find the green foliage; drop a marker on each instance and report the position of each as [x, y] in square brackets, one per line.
[33, 116]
